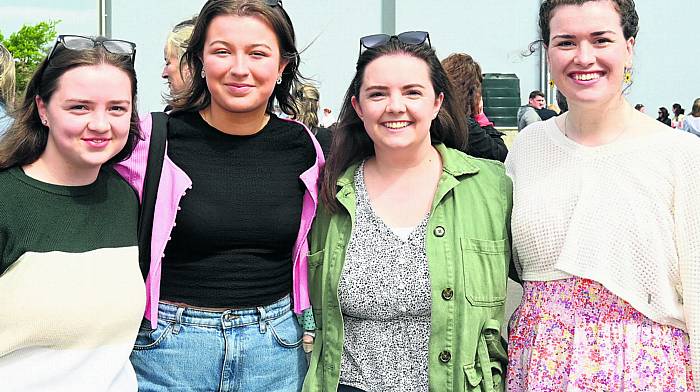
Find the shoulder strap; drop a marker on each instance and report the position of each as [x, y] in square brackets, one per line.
[156, 154]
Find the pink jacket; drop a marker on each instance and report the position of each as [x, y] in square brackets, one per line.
[174, 183]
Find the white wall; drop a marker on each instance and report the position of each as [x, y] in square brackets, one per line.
[494, 32]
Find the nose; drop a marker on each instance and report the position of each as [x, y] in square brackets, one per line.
[164, 74]
[239, 66]
[584, 54]
[99, 122]
[395, 104]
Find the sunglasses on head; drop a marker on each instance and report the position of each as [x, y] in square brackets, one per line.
[78, 42]
[408, 38]
[274, 3]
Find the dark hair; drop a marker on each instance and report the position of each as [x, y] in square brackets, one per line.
[536, 93]
[196, 95]
[664, 113]
[26, 139]
[629, 20]
[562, 102]
[465, 76]
[677, 109]
[351, 143]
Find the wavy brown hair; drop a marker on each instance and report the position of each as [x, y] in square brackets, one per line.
[465, 76]
[629, 19]
[26, 139]
[196, 95]
[351, 143]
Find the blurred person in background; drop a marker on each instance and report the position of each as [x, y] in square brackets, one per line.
[7, 88]
[306, 97]
[678, 115]
[175, 71]
[664, 116]
[691, 122]
[484, 140]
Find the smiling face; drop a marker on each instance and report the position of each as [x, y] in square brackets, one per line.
[88, 119]
[242, 62]
[397, 102]
[588, 52]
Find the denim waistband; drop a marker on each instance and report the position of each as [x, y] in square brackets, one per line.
[227, 318]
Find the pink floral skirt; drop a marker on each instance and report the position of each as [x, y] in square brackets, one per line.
[575, 335]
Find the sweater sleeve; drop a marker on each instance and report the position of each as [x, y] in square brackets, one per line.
[686, 210]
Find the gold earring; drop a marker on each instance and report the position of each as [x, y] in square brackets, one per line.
[551, 82]
[628, 76]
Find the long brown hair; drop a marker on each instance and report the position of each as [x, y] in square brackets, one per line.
[465, 76]
[26, 139]
[351, 143]
[196, 95]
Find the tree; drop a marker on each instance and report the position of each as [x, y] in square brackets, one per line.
[29, 46]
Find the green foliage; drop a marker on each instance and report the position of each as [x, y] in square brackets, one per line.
[29, 46]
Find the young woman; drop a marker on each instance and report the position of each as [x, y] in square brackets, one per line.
[236, 198]
[410, 251]
[605, 224]
[175, 45]
[306, 98]
[484, 139]
[72, 293]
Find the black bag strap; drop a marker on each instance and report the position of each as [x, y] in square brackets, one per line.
[154, 166]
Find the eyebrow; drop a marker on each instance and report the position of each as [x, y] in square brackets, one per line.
[406, 87]
[117, 101]
[225, 43]
[594, 34]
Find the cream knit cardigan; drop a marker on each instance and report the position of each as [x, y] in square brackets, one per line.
[626, 214]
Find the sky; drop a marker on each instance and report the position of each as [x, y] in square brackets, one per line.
[76, 16]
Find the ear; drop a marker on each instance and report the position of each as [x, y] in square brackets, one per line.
[41, 106]
[283, 65]
[630, 52]
[438, 104]
[356, 105]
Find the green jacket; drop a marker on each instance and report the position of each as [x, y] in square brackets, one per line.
[468, 248]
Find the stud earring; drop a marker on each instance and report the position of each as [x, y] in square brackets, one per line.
[203, 74]
[279, 80]
[45, 122]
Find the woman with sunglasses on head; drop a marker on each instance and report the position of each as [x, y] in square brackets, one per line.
[605, 223]
[409, 253]
[234, 206]
[71, 293]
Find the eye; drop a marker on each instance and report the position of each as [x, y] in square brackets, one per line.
[414, 93]
[375, 94]
[564, 44]
[119, 108]
[78, 107]
[602, 41]
[258, 53]
[220, 52]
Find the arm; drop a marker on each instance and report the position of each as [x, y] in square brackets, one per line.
[686, 213]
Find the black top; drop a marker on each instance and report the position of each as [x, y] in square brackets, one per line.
[232, 242]
[486, 142]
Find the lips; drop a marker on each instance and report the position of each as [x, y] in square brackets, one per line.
[239, 88]
[586, 76]
[395, 125]
[97, 142]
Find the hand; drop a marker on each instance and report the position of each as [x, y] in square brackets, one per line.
[307, 343]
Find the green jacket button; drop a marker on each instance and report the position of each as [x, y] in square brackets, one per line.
[445, 356]
[447, 294]
[439, 231]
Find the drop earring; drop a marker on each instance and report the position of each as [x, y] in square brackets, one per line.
[628, 76]
[203, 74]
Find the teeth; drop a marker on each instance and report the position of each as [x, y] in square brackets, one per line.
[588, 76]
[396, 124]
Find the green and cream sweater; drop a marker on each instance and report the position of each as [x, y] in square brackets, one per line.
[71, 292]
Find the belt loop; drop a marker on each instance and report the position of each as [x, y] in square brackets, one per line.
[262, 322]
[178, 320]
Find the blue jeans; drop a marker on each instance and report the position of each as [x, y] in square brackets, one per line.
[256, 349]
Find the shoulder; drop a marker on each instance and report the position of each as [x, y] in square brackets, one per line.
[118, 187]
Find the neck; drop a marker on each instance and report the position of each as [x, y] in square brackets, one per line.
[241, 124]
[393, 162]
[60, 174]
[596, 125]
